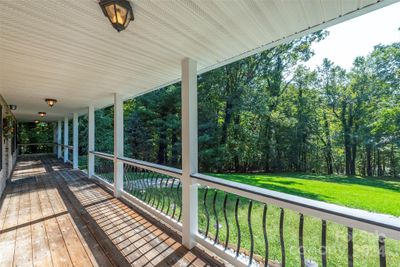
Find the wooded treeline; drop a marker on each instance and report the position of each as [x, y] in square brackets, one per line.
[270, 113]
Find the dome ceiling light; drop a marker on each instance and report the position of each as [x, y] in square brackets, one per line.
[118, 12]
[51, 102]
[42, 114]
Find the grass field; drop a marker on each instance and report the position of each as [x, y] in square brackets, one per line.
[380, 195]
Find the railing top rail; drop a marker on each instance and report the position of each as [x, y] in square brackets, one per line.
[174, 172]
[35, 144]
[368, 221]
[102, 155]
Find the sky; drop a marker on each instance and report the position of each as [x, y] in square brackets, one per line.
[358, 36]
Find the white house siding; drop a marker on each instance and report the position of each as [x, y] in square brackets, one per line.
[8, 159]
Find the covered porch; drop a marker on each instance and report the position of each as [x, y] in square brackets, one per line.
[121, 211]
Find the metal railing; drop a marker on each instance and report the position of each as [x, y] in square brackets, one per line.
[36, 148]
[224, 202]
[104, 167]
[244, 224]
[158, 186]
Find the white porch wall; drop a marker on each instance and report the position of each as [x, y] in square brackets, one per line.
[6, 157]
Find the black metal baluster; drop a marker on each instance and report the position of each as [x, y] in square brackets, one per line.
[301, 245]
[130, 176]
[350, 246]
[173, 198]
[283, 262]
[163, 194]
[153, 189]
[216, 217]
[237, 227]
[179, 200]
[226, 222]
[158, 190]
[148, 188]
[145, 182]
[251, 232]
[382, 251]
[126, 186]
[143, 185]
[168, 198]
[264, 222]
[206, 212]
[323, 245]
[135, 181]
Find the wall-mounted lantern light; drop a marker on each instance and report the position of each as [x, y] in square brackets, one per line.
[42, 114]
[51, 102]
[118, 12]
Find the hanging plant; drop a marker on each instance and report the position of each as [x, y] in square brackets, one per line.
[8, 126]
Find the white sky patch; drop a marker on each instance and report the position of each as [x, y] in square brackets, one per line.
[357, 37]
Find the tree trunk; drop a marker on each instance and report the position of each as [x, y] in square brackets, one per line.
[162, 147]
[227, 120]
[379, 164]
[328, 147]
[236, 136]
[369, 160]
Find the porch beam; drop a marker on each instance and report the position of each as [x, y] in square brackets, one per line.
[65, 139]
[118, 144]
[75, 142]
[189, 152]
[59, 147]
[91, 136]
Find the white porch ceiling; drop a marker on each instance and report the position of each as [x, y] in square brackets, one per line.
[66, 49]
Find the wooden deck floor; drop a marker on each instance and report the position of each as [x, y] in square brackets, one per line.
[51, 215]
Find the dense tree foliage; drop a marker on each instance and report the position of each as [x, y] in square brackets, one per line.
[270, 113]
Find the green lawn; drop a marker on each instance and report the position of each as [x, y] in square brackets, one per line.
[380, 195]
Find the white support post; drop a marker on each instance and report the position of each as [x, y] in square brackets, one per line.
[55, 147]
[75, 141]
[118, 145]
[65, 139]
[189, 152]
[91, 137]
[59, 147]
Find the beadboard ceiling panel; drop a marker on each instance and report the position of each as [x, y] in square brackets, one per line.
[66, 49]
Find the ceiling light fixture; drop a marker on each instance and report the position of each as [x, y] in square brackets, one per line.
[13, 107]
[118, 12]
[51, 102]
[42, 114]
[36, 121]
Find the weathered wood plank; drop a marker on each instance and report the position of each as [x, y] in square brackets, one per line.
[58, 248]
[40, 244]
[9, 231]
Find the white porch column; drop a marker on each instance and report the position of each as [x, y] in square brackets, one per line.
[91, 137]
[189, 152]
[75, 141]
[65, 139]
[55, 147]
[59, 148]
[118, 144]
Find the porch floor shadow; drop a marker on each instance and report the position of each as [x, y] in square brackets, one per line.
[52, 215]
